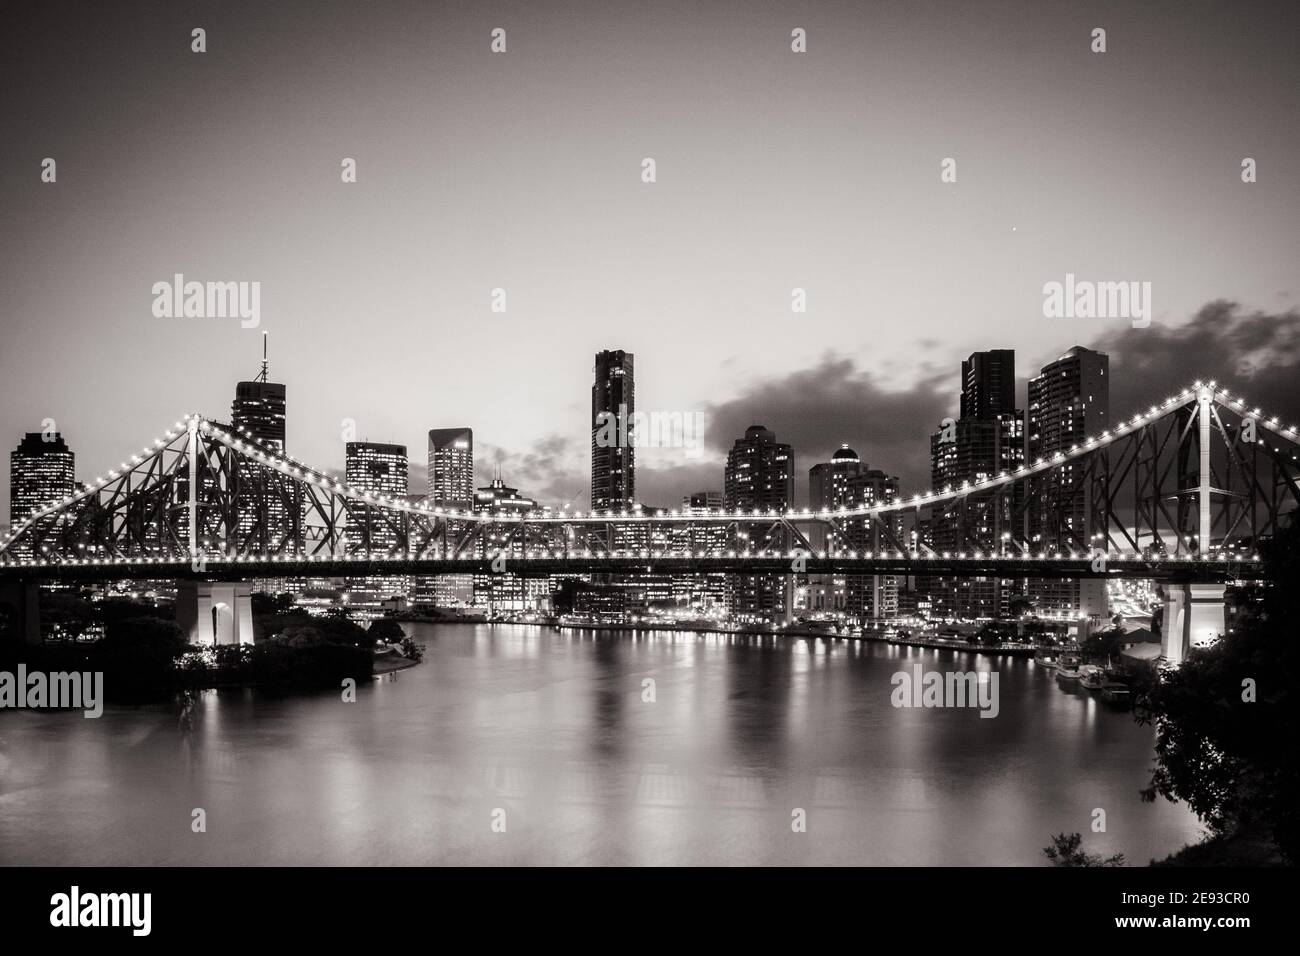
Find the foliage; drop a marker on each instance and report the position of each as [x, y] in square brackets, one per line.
[1066, 850]
[1232, 759]
[387, 630]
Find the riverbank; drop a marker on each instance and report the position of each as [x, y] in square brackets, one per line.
[1014, 650]
[385, 662]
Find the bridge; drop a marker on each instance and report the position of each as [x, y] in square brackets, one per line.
[1181, 493]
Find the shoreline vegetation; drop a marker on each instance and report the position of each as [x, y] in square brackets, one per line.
[145, 658]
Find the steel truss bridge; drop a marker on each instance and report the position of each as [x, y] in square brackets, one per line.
[1182, 492]
[1157, 494]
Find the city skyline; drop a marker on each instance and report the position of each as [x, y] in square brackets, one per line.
[776, 171]
[598, 433]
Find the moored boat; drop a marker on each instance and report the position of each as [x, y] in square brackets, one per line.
[1092, 677]
[1067, 668]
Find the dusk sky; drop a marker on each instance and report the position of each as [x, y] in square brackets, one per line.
[522, 171]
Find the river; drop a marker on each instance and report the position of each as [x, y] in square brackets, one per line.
[514, 744]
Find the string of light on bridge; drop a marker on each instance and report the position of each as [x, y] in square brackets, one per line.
[245, 444]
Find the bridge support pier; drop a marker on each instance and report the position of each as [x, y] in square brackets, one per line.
[23, 601]
[215, 613]
[1193, 617]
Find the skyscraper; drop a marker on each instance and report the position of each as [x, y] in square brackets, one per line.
[988, 384]
[760, 474]
[613, 462]
[985, 441]
[450, 485]
[259, 410]
[1068, 401]
[41, 470]
[451, 467]
[259, 407]
[381, 469]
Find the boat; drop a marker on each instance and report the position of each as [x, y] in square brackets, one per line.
[1067, 668]
[1116, 694]
[1091, 677]
[1047, 658]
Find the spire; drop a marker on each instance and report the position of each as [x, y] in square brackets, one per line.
[263, 376]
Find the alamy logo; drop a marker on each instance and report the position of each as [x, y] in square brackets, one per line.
[179, 299]
[946, 689]
[1084, 299]
[653, 430]
[103, 909]
[59, 691]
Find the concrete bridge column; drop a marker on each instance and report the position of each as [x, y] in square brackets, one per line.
[1193, 617]
[232, 623]
[23, 601]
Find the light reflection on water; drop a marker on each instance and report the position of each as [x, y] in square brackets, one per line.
[550, 727]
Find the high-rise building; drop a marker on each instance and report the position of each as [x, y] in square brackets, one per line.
[988, 384]
[987, 440]
[847, 482]
[760, 475]
[760, 471]
[41, 470]
[379, 468]
[259, 407]
[1068, 401]
[613, 462]
[259, 411]
[451, 467]
[451, 485]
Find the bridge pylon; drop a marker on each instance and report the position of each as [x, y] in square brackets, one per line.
[1193, 617]
[215, 613]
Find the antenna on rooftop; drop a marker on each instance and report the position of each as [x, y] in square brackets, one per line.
[263, 376]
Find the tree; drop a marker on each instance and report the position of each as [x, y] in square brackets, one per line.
[387, 630]
[1066, 850]
[1226, 720]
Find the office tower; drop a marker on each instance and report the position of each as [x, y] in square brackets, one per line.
[613, 458]
[987, 440]
[259, 408]
[259, 412]
[381, 469]
[451, 485]
[451, 467]
[759, 475]
[1068, 401]
[41, 470]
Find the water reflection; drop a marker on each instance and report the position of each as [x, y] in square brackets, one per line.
[551, 727]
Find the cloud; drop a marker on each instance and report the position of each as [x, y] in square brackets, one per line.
[816, 409]
[1256, 354]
